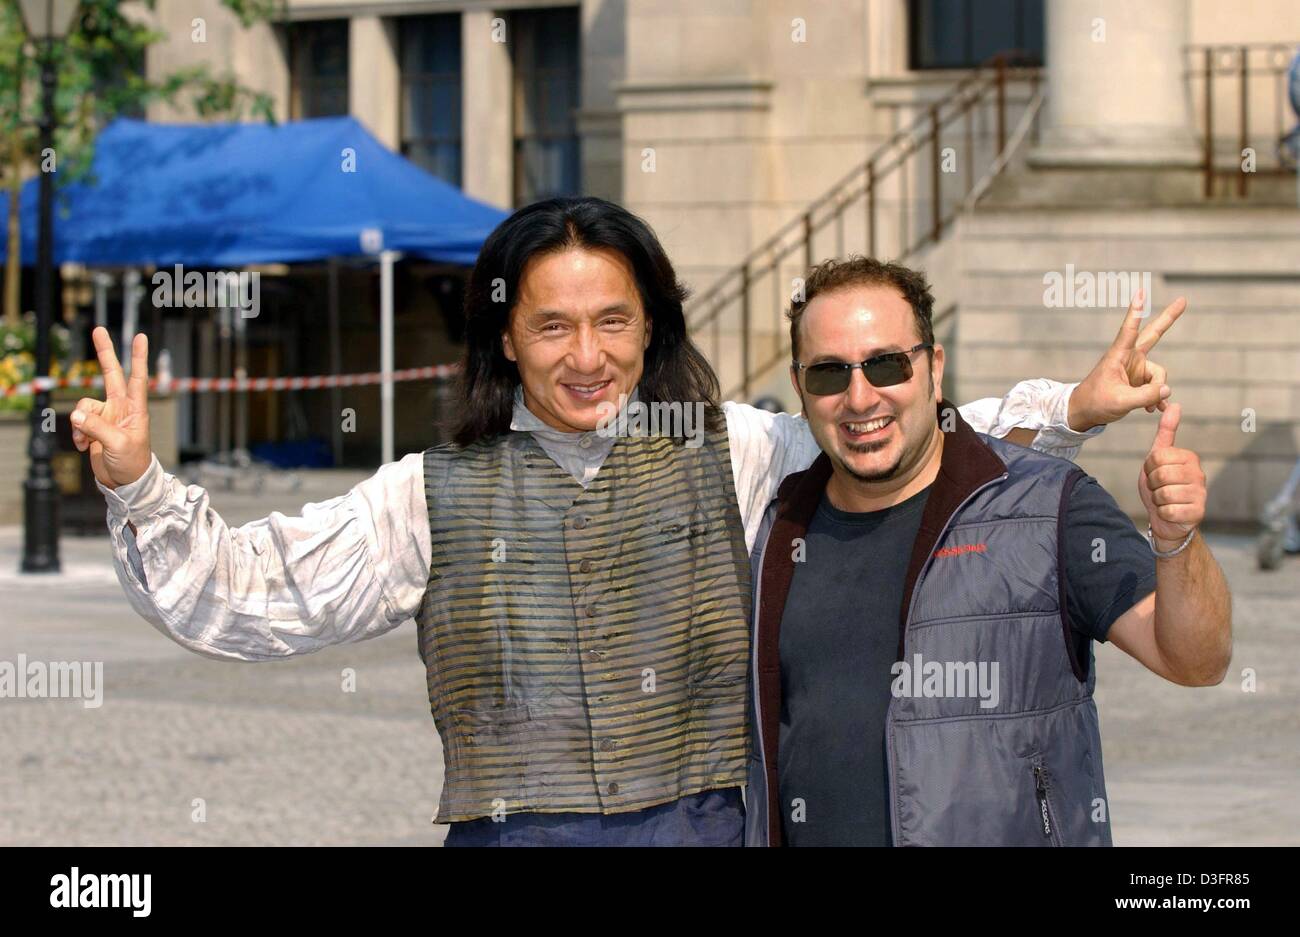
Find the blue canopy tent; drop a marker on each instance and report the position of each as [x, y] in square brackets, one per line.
[223, 195]
[229, 195]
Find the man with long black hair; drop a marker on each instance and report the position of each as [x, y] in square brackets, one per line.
[581, 596]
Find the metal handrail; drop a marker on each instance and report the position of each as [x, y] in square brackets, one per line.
[864, 182]
[1218, 63]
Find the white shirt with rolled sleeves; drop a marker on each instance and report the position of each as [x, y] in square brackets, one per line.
[356, 566]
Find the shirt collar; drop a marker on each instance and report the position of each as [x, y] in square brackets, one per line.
[523, 420]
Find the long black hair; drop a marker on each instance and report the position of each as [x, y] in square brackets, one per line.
[674, 370]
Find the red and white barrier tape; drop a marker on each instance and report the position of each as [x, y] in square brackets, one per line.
[187, 385]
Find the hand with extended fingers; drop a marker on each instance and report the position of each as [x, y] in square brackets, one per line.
[1125, 378]
[115, 430]
[1172, 485]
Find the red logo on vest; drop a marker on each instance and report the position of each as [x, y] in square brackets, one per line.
[960, 549]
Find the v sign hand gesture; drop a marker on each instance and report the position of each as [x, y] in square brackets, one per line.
[115, 430]
[1125, 378]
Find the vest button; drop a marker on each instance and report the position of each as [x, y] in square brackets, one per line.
[584, 566]
[579, 523]
[594, 656]
[606, 745]
[613, 787]
[589, 611]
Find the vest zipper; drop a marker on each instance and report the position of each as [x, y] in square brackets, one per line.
[1046, 817]
[889, 711]
[753, 651]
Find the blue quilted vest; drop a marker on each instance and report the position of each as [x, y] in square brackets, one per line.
[984, 586]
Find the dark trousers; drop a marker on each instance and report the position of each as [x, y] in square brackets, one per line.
[711, 818]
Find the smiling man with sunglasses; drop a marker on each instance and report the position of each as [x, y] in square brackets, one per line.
[926, 597]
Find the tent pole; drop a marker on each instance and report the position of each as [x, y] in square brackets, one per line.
[225, 369]
[130, 308]
[386, 260]
[155, 331]
[241, 370]
[102, 282]
[336, 361]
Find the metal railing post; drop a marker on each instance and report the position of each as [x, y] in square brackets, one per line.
[936, 186]
[744, 329]
[871, 208]
[807, 242]
[1244, 138]
[1002, 104]
[1209, 123]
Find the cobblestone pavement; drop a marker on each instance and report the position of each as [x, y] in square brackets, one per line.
[279, 754]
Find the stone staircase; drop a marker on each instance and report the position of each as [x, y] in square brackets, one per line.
[1234, 356]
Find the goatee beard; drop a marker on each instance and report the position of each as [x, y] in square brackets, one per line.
[879, 475]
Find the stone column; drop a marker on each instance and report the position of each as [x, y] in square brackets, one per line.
[374, 78]
[600, 125]
[1116, 95]
[886, 39]
[487, 143]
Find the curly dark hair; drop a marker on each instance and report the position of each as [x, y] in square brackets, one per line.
[857, 270]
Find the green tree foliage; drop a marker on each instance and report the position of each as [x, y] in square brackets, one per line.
[101, 76]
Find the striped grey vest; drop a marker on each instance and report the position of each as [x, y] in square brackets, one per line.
[987, 587]
[586, 650]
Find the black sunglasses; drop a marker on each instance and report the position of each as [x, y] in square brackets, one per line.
[833, 377]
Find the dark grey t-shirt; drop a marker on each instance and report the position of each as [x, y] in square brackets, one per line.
[839, 639]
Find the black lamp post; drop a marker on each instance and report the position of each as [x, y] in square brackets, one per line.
[45, 21]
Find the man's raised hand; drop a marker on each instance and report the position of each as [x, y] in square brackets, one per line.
[115, 430]
[1125, 378]
[1172, 485]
